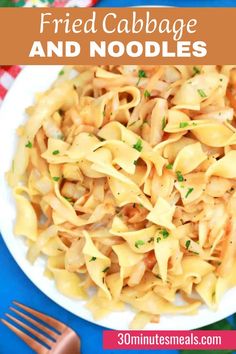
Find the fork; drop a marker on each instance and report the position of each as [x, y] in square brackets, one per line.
[59, 340]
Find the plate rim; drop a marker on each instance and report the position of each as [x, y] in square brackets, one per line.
[17, 257]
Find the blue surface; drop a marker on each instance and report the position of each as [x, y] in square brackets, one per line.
[178, 3]
[14, 285]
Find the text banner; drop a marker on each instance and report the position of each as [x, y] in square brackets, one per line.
[115, 35]
[192, 340]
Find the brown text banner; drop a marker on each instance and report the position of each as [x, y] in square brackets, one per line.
[117, 35]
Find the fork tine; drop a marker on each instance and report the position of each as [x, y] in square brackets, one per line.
[36, 324]
[47, 319]
[33, 344]
[31, 330]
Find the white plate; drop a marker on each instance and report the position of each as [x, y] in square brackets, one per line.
[31, 80]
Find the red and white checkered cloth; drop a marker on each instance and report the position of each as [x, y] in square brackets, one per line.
[9, 73]
[7, 77]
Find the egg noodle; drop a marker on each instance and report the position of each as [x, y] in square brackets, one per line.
[124, 178]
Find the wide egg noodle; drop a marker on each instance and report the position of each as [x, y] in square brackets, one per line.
[97, 271]
[224, 167]
[69, 284]
[162, 214]
[25, 211]
[189, 158]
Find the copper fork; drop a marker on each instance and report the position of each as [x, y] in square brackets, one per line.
[61, 339]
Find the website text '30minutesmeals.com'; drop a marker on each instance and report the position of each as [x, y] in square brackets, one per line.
[157, 339]
[202, 339]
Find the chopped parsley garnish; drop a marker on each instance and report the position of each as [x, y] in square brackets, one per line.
[158, 239]
[196, 70]
[146, 94]
[68, 199]
[141, 74]
[164, 233]
[62, 72]
[187, 244]
[190, 190]
[105, 270]
[56, 152]
[56, 179]
[135, 162]
[138, 146]
[104, 111]
[101, 139]
[29, 145]
[169, 166]
[183, 124]
[179, 176]
[201, 93]
[92, 259]
[139, 243]
[163, 123]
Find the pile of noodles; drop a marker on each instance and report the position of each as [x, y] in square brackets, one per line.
[125, 177]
